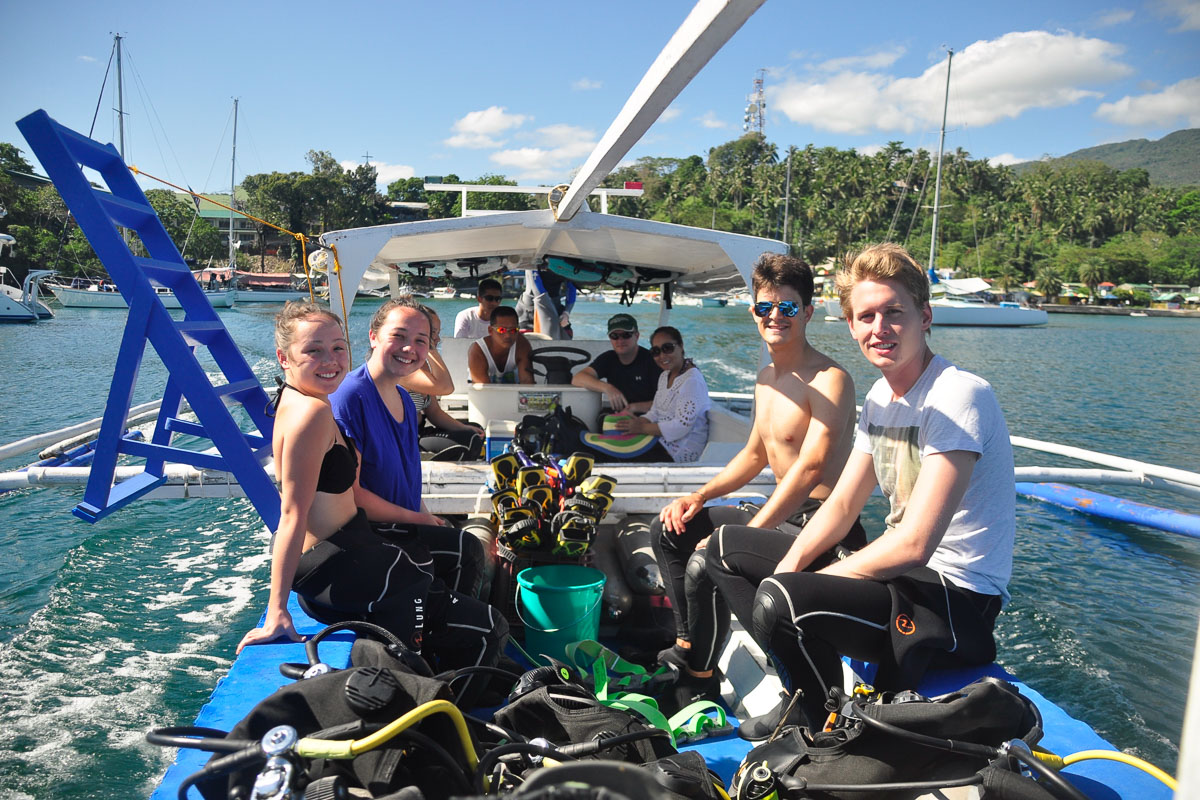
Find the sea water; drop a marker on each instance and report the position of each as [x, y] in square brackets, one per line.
[109, 629]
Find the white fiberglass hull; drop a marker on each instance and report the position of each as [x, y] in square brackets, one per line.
[88, 298]
[957, 312]
[269, 295]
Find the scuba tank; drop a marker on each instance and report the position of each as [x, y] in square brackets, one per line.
[483, 530]
[617, 599]
[637, 558]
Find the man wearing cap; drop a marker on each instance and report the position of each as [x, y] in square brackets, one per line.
[626, 375]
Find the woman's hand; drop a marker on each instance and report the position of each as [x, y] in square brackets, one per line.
[275, 626]
[632, 424]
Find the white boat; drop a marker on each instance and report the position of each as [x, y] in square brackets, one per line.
[248, 296]
[97, 296]
[22, 303]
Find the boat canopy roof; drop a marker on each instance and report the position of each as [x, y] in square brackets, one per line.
[654, 252]
[965, 285]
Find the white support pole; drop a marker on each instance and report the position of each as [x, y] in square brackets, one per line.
[707, 28]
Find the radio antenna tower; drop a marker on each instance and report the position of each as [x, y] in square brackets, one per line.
[756, 106]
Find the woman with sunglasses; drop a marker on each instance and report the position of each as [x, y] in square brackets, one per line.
[679, 414]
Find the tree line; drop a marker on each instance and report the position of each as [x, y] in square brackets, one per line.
[1076, 222]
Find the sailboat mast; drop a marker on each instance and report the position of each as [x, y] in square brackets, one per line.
[937, 185]
[120, 98]
[232, 187]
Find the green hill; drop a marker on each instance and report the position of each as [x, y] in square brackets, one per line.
[1173, 160]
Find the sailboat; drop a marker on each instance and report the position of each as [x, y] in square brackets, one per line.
[958, 302]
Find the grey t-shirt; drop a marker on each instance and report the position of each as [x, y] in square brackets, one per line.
[948, 409]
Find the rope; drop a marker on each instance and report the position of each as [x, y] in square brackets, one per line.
[299, 237]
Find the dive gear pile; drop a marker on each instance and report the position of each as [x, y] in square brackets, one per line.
[544, 504]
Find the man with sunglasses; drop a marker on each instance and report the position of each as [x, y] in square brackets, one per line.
[472, 323]
[803, 431]
[627, 374]
[504, 345]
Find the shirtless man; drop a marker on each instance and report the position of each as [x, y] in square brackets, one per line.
[803, 430]
[503, 356]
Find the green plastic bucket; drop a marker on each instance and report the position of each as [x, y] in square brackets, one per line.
[559, 604]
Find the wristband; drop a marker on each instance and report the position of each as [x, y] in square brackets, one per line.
[703, 496]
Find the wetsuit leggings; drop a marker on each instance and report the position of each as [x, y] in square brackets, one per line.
[358, 574]
[701, 611]
[451, 554]
[805, 621]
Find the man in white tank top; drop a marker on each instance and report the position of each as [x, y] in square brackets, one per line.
[503, 356]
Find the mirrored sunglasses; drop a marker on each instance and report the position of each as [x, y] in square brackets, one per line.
[614, 335]
[667, 348]
[789, 308]
[501, 329]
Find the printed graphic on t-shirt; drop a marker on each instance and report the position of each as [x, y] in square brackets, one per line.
[897, 463]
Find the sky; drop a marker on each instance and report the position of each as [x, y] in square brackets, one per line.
[526, 88]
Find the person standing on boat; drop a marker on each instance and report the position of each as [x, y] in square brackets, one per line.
[627, 375]
[505, 345]
[372, 408]
[803, 429]
[928, 589]
[325, 549]
[472, 323]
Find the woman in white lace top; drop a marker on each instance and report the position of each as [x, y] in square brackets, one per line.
[679, 415]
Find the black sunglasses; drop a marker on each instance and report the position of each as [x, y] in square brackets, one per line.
[491, 298]
[667, 348]
[789, 308]
[614, 335]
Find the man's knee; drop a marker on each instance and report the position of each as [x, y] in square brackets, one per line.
[695, 572]
[765, 616]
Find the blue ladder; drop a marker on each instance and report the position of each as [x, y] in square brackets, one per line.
[64, 153]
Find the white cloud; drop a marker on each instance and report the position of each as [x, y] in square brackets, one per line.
[711, 120]
[992, 80]
[1188, 12]
[586, 84]
[557, 149]
[1006, 160]
[868, 150]
[479, 129]
[1116, 16]
[884, 58]
[1180, 101]
[86, 58]
[671, 113]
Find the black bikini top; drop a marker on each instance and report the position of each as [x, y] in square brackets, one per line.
[339, 468]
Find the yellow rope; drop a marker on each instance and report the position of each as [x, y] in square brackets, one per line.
[299, 237]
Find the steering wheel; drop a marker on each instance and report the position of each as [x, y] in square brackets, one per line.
[558, 367]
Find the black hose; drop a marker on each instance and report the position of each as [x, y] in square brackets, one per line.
[954, 746]
[502, 732]
[609, 742]
[794, 784]
[450, 676]
[462, 778]
[359, 626]
[488, 762]
[208, 739]
[220, 766]
[1061, 786]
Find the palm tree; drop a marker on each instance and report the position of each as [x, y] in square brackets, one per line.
[1048, 282]
[1006, 279]
[1091, 273]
